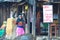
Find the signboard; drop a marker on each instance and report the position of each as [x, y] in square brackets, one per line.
[47, 13]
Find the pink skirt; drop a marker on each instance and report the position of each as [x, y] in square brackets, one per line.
[19, 31]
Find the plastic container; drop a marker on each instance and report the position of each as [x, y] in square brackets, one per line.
[2, 31]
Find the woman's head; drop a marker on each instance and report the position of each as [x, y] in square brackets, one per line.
[20, 16]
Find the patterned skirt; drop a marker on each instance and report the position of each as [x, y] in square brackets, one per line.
[19, 31]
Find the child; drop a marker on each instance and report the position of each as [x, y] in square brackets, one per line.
[20, 28]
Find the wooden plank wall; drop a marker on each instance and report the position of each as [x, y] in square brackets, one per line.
[4, 11]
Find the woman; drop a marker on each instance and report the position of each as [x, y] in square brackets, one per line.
[20, 28]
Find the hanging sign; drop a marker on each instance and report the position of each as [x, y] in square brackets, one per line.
[47, 13]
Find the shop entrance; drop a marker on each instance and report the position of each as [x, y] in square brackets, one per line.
[41, 28]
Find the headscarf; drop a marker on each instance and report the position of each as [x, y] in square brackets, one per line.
[19, 19]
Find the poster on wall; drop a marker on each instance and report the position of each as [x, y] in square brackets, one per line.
[47, 13]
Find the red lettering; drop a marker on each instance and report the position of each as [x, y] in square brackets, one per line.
[46, 7]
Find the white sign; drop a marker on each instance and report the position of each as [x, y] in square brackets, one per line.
[47, 13]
